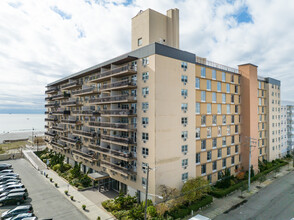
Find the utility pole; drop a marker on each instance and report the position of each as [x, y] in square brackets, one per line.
[252, 142]
[146, 194]
[32, 136]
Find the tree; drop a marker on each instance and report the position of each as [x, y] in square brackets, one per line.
[251, 171]
[194, 189]
[76, 171]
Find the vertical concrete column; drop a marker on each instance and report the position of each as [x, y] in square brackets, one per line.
[249, 114]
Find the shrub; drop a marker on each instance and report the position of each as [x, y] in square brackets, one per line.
[180, 213]
[46, 175]
[98, 218]
[85, 181]
[84, 207]
[203, 202]
[151, 211]
[240, 175]
[51, 180]
[67, 167]
[71, 197]
[56, 167]
[66, 192]
[56, 185]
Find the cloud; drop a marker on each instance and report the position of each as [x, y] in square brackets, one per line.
[42, 41]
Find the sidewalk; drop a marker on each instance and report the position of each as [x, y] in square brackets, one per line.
[222, 205]
[92, 210]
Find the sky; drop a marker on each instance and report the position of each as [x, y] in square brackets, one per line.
[42, 41]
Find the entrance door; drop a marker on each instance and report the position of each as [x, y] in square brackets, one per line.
[115, 185]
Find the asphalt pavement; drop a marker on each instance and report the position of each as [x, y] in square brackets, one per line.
[48, 203]
[276, 202]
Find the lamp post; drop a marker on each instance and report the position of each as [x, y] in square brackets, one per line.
[146, 194]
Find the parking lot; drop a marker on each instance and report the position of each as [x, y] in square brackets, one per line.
[48, 203]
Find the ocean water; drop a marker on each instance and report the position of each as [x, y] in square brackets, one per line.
[14, 123]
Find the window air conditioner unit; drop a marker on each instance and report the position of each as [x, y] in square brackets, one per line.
[185, 83]
[144, 96]
[144, 141]
[144, 126]
[185, 125]
[185, 97]
[185, 139]
[185, 152]
[144, 80]
[144, 110]
[144, 156]
[185, 111]
[185, 167]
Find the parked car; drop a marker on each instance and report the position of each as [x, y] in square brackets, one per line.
[12, 199]
[4, 166]
[6, 171]
[9, 181]
[2, 179]
[8, 188]
[30, 218]
[17, 210]
[21, 216]
[20, 190]
[9, 174]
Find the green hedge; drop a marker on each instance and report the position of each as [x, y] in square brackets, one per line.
[183, 211]
[219, 193]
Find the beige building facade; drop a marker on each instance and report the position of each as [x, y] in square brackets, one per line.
[159, 107]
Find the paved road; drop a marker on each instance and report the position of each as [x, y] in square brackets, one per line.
[275, 202]
[46, 200]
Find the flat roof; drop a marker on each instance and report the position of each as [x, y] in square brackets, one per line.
[98, 175]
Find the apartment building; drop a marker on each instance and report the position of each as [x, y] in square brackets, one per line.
[160, 107]
[290, 127]
[284, 137]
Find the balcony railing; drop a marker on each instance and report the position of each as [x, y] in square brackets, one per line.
[119, 112]
[46, 112]
[60, 96]
[63, 146]
[113, 125]
[51, 90]
[86, 156]
[117, 71]
[70, 85]
[70, 140]
[86, 91]
[52, 105]
[117, 139]
[99, 148]
[69, 121]
[51, 134]
[70, 103]
[61, 112]
[89, 134]
[119, 84]
[117, 168]
[85, 112]
[57, 128]
[109, 99]
[51, 119]
[46, 126]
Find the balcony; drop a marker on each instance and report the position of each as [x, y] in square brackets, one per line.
[51, 119]
[117, 168]
[87, 134]
[48, 98]
[87, 91]
[71, 85]
[98, 148]
[120, 71]
[59, 145]
[46, 113]
[117, 140]
[55, 104]
[118, 112]
[70, 121]
[86, 156]
[60, 96]
[60, 112]
[85, 112]
[70, 103]
[70, 140]
[119, 126]
[57, 128]
[113, 99]
[51, 90]
[51, 134]
[119, 85]
[46, 126]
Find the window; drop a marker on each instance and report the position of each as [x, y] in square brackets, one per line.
[208, 85]
[203, 96]
[144, 167]
[213, 97]
[209, 178]
[219, 153]
[203, 144]
[145, 76]
[184, 120]
[184, 134]
[184, 92]
[259, 85]
[224, 141]
[197, 133]
[237, 149]
[219, 175]
[219, 108]
[184, 162]
[236, 129]
[219, 131]
[209, 132]
[184, 177]
[228, 109]
[228, 129]
[232, 99]
[203, 169]
[260, 151]
[140, 41]
[208, 155]
[203, 120]
[145, 106]
[197, 158]
[224, 98]
[145, 151]
[184, 66]
[145, 121]
[219, 86]
[213, 74]
[214, 165]
[223, 76]
[203, 72]
[145, 91]
[184, 79]
[228, 88]
[208, 108]
[144, 181]
[184, 148]
[236, 89]
[184, 106]
[145, 61]
[228, 151]
[197, 83]
[232, 160]
[232, 78]
[214, 120]
[214, 142]
[232, 119]
[224, 162]
[224, 119]
[236, 109]
[197, 108]
[145, 136]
